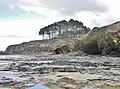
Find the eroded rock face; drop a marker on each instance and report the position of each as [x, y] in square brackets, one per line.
[104, 40]
[64, 31]
[99, 41]
[37, 47]
[63, 50]
[89, 43]
[58, 51]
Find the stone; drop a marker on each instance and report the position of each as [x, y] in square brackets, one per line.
[101, 41]
[63, 50]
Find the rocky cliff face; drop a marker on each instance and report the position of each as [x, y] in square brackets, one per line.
[37, 47]
[98, 41]
[63, 29]
[103, 40]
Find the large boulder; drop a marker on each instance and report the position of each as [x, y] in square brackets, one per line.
[103, 40]
[63, 50]
[68, 83]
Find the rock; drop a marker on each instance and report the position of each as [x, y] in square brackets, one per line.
[29, 48]
[63, 50]
[98, 41]
[2, 53]
[66, 80]
[68, 83]
[103, 40]
[88, 43]
[42, 46]
[68, 86]
[7, 81]
[68, 31]
[58, 51]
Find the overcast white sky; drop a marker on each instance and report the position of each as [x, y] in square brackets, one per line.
[20, 20]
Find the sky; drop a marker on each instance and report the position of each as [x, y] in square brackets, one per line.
[21, 20]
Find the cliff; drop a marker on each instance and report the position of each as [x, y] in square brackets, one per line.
[36, 47]
[101, 40]
[98, 41]
[61, 33]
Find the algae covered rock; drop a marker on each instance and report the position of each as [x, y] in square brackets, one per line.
[68, 83]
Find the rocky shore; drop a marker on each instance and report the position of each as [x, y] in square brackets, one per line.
[64, 71]
[89, 59]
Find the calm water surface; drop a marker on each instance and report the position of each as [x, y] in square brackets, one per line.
[38, 86]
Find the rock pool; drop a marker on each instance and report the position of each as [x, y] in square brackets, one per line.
[39, 86]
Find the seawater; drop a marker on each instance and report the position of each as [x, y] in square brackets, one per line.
[39, 86]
